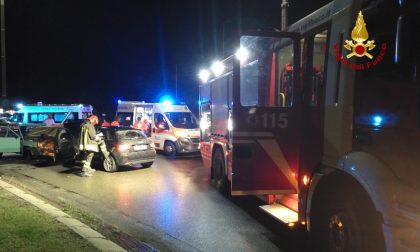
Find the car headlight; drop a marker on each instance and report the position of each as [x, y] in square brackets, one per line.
[180, 133]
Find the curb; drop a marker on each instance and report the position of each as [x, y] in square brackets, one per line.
[95, 238]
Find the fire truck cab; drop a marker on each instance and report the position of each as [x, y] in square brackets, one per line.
[173, 128]
[322, 121]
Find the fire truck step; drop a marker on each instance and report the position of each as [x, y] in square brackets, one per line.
[281, 213]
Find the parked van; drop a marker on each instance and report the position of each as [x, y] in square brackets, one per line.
[173, 128]
[36, 114]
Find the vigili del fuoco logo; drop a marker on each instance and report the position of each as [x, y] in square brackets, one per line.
[360, 47]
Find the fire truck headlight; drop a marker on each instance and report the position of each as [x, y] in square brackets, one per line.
[204, 75]
[204, 124]
[218, 68]
[230, 124]
[242, 54]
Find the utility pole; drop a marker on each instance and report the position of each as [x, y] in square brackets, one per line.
[3, 52]
[284, 6]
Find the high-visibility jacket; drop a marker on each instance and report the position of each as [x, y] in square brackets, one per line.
[87, 138]
[137, 125]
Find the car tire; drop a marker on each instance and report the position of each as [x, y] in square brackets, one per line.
[110, 165]
[147, 165]
[219, 179]
[169, 149]
[1, 154]
[27, 155]
[339, 223]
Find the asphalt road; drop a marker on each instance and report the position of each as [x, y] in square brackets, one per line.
[172, 204]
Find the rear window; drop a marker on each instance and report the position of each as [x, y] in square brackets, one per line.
[129, 134]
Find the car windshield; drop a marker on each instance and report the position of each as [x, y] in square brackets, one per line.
[17, 118]
[49, 131]
[184, 120]
[129, 134]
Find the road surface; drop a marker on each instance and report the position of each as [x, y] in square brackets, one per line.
[172, 204]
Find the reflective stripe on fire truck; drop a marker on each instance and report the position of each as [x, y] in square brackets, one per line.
[271, 147]
[273, 150]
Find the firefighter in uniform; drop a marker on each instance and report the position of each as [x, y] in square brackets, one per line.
[89, 144]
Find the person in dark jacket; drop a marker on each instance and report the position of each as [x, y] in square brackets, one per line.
[89, 144]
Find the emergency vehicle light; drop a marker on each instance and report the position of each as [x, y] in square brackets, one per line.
[377, 120]
[242, 54]
[119, 101]
[204, 75]
[218, 68]
[19, 105]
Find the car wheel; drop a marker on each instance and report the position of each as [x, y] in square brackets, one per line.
[340, 224]
[147, 165]
[27, 155]
[169, 149]
[219, 179]
[1, 154]
[110, 165]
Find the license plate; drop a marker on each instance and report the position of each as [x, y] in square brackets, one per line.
[140, 147]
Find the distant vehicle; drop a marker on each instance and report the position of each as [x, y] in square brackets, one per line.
[173, 128]
[127, 147]
[52, 142]
[10, 140]
[36, 114]
[6, 122]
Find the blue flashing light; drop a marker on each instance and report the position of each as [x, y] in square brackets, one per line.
[377, 120]
[119, 101]
[167, 102]
[19, 106]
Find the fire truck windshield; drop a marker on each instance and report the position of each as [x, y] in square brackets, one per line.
[184, 120]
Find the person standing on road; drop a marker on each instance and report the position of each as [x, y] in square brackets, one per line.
[89, 143]
[144, 125]
[105, 123]
[137, 123]
[49, 121]
[116, 121]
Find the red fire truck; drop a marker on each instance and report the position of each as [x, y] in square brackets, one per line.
[322, 121]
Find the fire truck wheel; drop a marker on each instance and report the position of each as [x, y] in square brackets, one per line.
[169, 149]
[219, 179]
[346, 221]
[110, 165]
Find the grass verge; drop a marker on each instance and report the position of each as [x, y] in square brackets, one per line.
[24, 227]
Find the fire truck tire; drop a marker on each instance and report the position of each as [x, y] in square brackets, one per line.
[169, 149]
[346, 220]
[219, 179]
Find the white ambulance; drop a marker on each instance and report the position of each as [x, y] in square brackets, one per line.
[173, 128]
[37, 113]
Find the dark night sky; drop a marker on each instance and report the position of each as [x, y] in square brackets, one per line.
[73, 51]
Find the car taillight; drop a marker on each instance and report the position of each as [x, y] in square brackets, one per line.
[123, 147]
